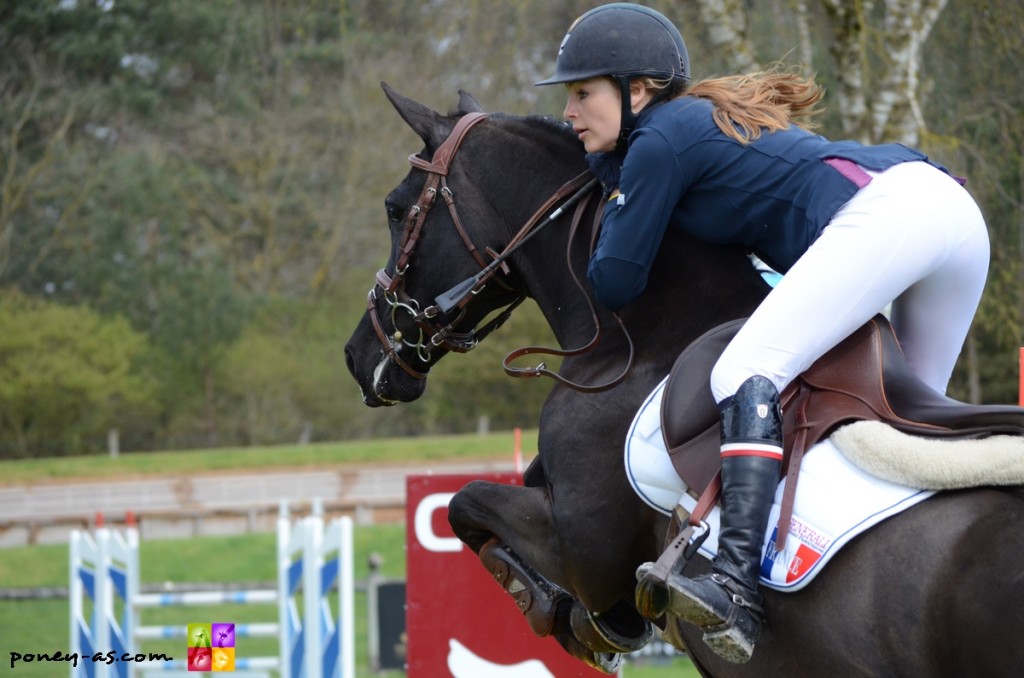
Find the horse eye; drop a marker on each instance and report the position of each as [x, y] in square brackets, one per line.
[395, 213]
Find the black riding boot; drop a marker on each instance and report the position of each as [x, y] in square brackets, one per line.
[726, 604]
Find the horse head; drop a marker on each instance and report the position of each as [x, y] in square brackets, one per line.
[448, 220]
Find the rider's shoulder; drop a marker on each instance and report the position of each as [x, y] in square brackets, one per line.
[683, 109]
[682, 123]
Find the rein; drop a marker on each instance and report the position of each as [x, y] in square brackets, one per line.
[541, 369]
[433, 331]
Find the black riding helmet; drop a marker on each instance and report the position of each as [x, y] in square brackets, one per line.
[622, 40]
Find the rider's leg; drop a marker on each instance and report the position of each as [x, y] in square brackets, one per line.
[911, 230]
[726, 604]
[932, 317]
[912, 237]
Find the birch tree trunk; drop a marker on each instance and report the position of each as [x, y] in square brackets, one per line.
[875, 105]
[803, 29]
[896, 110]
[850, 56]
[726, 23]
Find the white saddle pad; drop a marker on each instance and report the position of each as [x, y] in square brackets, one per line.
[835, 501]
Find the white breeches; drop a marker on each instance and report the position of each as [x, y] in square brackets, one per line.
[912, 237]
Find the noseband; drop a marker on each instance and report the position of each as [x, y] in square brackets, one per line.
[433, 331]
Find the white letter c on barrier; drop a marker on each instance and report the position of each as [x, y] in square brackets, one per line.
[424, 529]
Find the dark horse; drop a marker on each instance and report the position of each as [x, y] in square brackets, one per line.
[935, 591]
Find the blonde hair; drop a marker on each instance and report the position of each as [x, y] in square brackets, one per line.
[772, 100]
[748, 105]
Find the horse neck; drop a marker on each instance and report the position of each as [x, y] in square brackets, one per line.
[557, 280]
[526, 161]
[692, 287]
[554, 272]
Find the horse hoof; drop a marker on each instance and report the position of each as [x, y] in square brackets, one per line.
[607, 662]
[597, 633]
[651, 598]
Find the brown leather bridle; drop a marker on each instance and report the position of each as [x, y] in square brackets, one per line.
[433, 331]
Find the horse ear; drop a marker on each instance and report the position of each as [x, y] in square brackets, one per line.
[468, 103]
[430, 125]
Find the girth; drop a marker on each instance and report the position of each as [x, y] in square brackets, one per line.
[865, 377]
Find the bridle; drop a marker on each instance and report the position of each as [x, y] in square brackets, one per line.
[433, 332]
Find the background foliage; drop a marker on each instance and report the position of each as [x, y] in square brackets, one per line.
[191, 198]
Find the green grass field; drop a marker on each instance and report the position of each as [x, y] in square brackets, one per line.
[42, 626]
[375, 451]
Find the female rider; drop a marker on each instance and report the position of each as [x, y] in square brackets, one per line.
[853, 228]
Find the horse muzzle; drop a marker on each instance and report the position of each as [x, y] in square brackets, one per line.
[381, 380]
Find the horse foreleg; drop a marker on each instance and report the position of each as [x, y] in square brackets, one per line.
[519, 516]
[510, 529]
[536, 597]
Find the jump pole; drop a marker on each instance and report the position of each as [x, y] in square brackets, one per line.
[101, 569]
[314, 643]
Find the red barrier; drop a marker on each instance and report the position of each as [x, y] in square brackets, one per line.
[460, 622]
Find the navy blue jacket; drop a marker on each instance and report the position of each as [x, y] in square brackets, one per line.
[772, 196]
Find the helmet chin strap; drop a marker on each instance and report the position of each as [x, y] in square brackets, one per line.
[628, 122]
[629, 118]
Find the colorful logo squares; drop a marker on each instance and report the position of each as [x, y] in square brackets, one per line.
[211, 647]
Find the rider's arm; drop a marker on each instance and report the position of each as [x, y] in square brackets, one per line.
[635, 219]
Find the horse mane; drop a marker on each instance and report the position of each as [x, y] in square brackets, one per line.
[544, 123]
[547, 121]
[561, 127]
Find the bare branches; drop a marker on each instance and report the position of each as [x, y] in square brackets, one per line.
[20, 175]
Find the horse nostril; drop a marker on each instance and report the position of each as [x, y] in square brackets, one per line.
[350, 361]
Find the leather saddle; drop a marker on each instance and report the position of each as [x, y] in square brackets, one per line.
[865, 377]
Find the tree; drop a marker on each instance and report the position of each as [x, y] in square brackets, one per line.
[223, 194]
[67, 375]
[886, 106]
[974, 109]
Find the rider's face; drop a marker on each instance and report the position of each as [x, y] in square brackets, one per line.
[595, 110]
